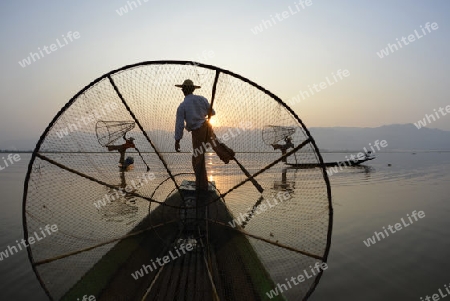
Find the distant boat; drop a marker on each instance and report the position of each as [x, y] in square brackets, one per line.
[368, 157]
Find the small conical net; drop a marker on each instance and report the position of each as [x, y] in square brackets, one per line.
[99, 231]
[273, 134]
[110, 131]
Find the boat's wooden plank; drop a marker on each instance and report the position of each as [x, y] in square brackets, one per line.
[100, 277]
[209, 282]
[184, 273]
[125, 284]
[96, 279]
[202, 281]
[217, 275]
[165, 282]
[191, 279]
[198, 281]
[236, 270]
[116, 288]
[173, 289]
[242, 271]
[235, 281]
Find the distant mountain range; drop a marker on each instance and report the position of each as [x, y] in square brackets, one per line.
[399, 137]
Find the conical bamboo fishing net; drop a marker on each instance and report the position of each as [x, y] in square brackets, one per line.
[272, 134]
[110, 131]
[113, 225]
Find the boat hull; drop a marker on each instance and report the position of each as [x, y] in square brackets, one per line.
[223, 263]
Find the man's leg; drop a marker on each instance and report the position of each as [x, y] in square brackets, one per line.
[198, 158]
[198, 163]
[283, 152]
[122, 151]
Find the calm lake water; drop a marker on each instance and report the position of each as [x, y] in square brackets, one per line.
[407, 265]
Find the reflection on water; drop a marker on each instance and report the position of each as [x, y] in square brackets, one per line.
[209, 163]
[403, 168]
[120, 208]
[411, 264]
[406, 266]
[284, 184]
[119, 211]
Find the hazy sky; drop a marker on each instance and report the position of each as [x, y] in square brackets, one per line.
[301, 50]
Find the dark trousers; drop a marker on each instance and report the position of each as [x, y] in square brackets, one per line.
[202, 138]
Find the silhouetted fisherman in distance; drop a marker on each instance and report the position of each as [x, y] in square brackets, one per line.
[284, 147]
[122, 149]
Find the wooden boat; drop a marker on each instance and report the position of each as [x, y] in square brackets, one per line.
[222, 265]
[330, 164]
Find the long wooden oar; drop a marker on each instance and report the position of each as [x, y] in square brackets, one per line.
[148, 168]
[254, 182]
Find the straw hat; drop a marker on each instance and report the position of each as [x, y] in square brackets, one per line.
[188, 83]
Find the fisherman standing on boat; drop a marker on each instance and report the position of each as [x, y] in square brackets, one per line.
[192, 114]
[284, 147]
[369, 155]
[122, 149]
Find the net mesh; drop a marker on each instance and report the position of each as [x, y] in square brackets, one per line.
[273, 134]
[110, 131]
[147, 235]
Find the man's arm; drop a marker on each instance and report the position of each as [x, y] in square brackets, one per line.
[207, 106]
[179, 127]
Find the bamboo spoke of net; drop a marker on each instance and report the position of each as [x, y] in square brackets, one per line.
[208, 269]
[296, 149]
[269, 241]
[149, 289]
[44, 261]
[62, 166]
[161, 158]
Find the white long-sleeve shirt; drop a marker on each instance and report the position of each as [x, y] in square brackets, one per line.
[191, 114]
